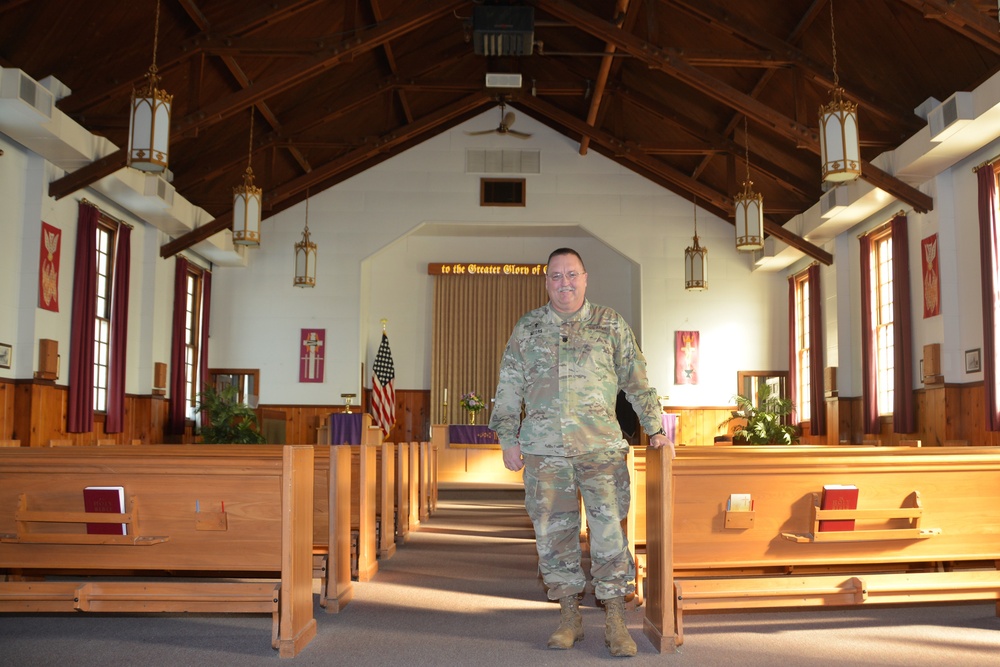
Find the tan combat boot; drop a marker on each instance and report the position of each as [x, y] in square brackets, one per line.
[616, 636]
[570, 628]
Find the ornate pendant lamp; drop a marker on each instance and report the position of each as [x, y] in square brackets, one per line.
[305, 256]
[246, 204]
[749, 210]
[840, 145]
[695, 261]
[149, 122]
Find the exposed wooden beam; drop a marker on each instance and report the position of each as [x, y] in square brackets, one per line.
[176, 56]
[91, 173]
[784, 50]
[621, 8]
[413, 18]
[669, 62]
[962, 17]
[650, 164]
[331, 169]
[256, 93]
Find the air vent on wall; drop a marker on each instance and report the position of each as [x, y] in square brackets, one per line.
[833, 202]
[157, 186]
[497, 161]
[495, 80]
[34, 98]
[950, 116]
[503, 30]
[501, 192]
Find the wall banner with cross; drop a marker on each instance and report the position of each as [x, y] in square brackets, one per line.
[311, 355]
[686, 350]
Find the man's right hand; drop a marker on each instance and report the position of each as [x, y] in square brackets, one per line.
[512, 458]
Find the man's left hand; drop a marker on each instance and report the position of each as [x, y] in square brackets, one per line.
[663, 442]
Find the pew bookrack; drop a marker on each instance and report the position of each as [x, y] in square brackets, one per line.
[23, 516]
[911, 511]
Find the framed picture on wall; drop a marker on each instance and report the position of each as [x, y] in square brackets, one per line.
[973, 363]
[5, 355]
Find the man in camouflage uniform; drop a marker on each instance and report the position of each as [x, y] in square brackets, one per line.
[564, 364]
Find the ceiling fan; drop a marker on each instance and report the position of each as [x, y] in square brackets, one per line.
[506, 120]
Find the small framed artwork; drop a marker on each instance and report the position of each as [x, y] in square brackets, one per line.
[6, 351]
[973, 362]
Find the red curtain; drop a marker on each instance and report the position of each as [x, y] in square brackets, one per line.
[119, 331]
[817, 400]
[904, 415]
[206, 311]
[80, 408]
[869, 387]
[178, 377]
[989, 257]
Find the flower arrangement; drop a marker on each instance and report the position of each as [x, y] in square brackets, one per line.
[472, 404]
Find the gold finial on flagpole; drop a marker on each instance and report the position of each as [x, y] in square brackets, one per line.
[384, 322]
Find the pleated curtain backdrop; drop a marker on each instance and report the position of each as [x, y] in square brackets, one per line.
[473, 318]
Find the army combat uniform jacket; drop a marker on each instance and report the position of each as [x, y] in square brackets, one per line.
[567, 374]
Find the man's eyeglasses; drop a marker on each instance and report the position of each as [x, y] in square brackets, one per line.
[572, 276]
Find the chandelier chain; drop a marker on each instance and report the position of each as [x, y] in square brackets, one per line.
[833, 41]
[250, 147]
[306, 231]
[156, 37]
[746, 140]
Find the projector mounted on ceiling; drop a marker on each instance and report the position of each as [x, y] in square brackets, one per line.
[503, 30]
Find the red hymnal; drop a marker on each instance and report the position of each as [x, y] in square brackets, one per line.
[107, 499]
[838, 497]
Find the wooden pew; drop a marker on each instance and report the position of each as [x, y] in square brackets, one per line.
[415, 477]
[385, 499]
[332, 527]
[926, 529]
[364, 492]
[209, 513]
[403, 492]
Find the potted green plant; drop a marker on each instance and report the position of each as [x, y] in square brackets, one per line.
[765, 421]
[225, 420]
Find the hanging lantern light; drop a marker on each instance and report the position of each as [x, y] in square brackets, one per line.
[695, 261]
[749, 210]
[839, 142]
[246, 204]
[149, 122]
[305, 256]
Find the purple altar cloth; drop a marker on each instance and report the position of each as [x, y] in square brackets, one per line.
[345, 429]
[468, 434]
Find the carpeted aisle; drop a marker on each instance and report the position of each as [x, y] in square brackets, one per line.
[464, 591]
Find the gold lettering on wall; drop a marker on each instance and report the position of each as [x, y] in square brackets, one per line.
[478, 269]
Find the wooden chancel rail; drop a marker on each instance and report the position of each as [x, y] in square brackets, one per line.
[927, 529]
[207, 515]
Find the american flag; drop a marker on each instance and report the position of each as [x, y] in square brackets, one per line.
[383, 393]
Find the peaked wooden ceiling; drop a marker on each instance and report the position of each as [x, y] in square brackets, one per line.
[661, 86]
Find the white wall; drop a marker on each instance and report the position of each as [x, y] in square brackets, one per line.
[371, 232]
[24, 184]
[378, 231]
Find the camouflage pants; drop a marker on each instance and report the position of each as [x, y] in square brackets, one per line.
[551, 488]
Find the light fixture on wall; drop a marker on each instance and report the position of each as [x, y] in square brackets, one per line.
[839, 142]
[695, 261]
[749, 209]
[246, 204]
[305, 256]
[149, 122]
